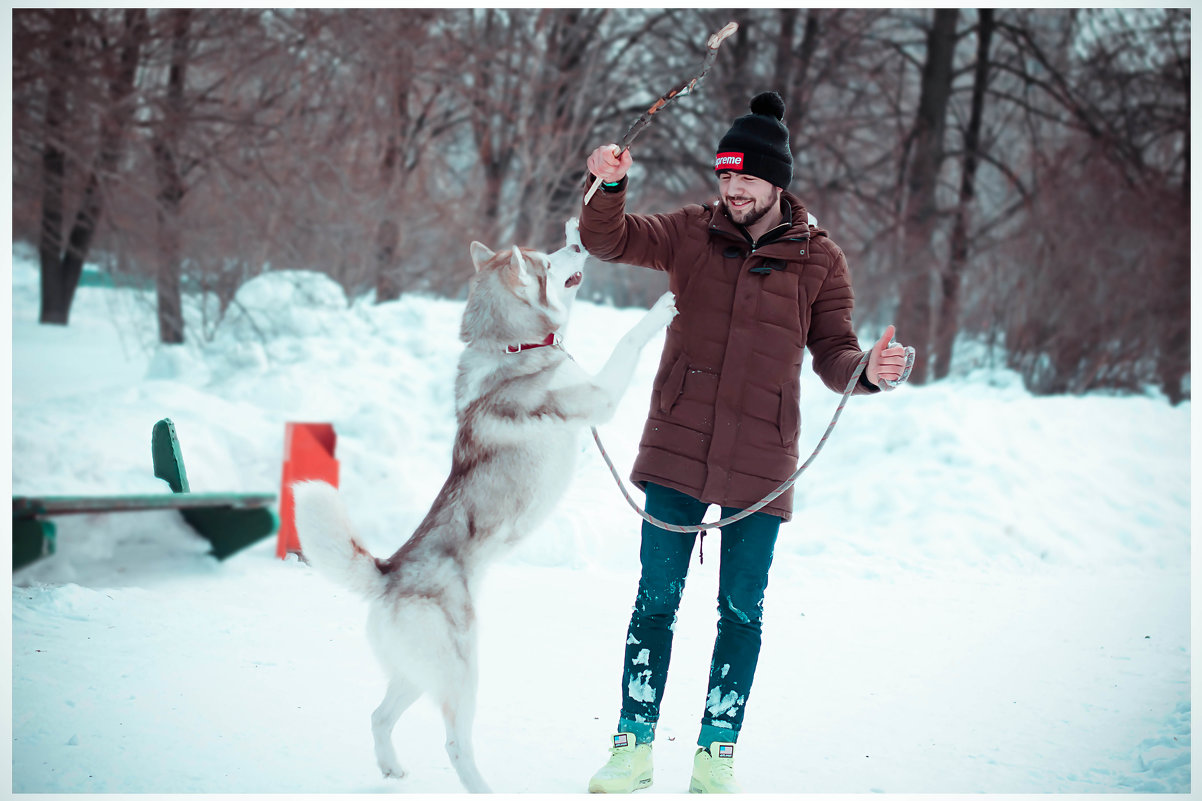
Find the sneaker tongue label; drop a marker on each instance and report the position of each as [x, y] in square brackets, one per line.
[726, 752]
[621, 741]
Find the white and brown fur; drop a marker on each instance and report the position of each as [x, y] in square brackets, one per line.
[519, 418]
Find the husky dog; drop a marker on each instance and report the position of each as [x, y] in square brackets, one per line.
[521, 403]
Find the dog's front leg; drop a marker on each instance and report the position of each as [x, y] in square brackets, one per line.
[613, 378]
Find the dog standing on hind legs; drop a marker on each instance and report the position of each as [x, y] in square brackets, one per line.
[521, 403]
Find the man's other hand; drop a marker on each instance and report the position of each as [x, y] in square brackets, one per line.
[887, 361]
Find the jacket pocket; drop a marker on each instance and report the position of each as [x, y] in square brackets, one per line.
[789, 418]
[669, 393]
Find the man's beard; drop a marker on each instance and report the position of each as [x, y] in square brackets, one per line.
[752, 215]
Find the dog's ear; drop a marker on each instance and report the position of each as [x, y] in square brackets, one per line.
[480, 254]
[517, 267]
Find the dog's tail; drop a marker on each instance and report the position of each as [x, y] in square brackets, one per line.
[328, 541]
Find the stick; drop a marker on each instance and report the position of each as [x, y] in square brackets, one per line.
[680, 91]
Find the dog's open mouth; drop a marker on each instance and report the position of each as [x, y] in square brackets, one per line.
[574, 280]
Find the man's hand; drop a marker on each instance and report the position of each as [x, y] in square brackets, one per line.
[607, 166]
[886, 362]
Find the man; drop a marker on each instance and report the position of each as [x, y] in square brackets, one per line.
[755, 285]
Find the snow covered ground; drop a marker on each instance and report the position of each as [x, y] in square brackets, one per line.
[982, 591]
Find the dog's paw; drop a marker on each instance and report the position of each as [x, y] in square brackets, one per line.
[664, 309]
[392, 771]
[571, 230]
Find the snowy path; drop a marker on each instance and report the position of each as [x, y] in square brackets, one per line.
[249, 678]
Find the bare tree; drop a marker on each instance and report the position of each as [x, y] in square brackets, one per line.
[165, 144]
[948, 316]
[516, 95]
[373, 145]
[54, 282]
[925, 156]
[62, 266]
[794, 63]
[422, 114]
[1106, 303]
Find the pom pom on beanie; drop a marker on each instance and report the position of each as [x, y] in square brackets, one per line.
[768, 104]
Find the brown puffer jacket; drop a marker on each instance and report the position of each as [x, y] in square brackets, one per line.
[725, 408]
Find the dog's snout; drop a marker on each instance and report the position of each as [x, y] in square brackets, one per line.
[574, 248]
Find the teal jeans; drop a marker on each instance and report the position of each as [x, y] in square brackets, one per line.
[746, 554]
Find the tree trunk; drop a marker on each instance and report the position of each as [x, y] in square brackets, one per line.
[792, 69]
[915, 312]
[949, 308]
[112, 130]
[388, 240]
[784, 69]
[171, 186]
[54, 165]
[738, 52]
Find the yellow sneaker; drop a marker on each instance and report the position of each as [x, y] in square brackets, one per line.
[714, 770]
[628, 768]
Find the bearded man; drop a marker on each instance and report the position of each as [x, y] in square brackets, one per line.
[756, 283]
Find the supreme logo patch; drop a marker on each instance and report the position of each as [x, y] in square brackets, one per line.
[726, 752]
[728, 161]
[621, 741]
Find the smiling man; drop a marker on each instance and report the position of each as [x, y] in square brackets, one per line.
[756, 283]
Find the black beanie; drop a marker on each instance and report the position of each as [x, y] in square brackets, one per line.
[758, 144]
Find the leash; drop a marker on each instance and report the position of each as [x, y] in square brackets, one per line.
[703, 527]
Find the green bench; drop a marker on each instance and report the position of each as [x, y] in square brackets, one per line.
[229, 521]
